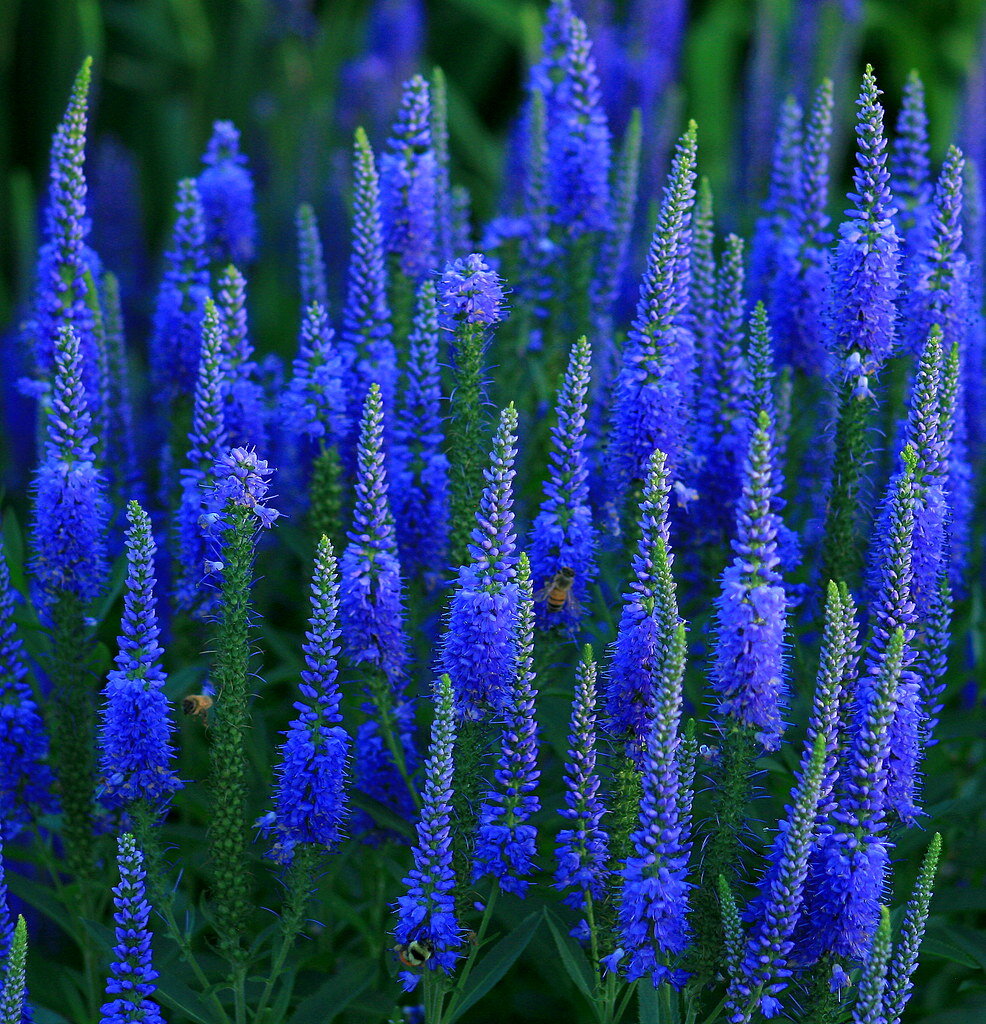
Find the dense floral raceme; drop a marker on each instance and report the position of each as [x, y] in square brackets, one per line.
[309, 795]
[130, 985]
[437, 591]
[136, 753]
[70, 505]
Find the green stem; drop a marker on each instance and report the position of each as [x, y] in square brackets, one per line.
[383, 700]
[292, 919]
[484, 924]
[73, 735]
[840, 551]
[434, 998]
[733, 791]
[468, 438]
[326, 496]
[239, 993]
[228, 836]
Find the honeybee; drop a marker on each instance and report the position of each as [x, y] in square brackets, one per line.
[415, 954]
[196, 704]
[558, 592]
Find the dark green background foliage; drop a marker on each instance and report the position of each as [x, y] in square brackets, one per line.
[164, 70]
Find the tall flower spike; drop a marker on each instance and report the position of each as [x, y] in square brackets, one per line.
[652, 404]
[938, 291]
[421, 468]
[893, 608]
[136, 755]
[13, 1008]
[905, 956]
[506, 842]
[653, 911]
[426, 912]
[873, 983]
[563, 539]
[130, 985]
[6, 922]
[311, 260]
[226, 188]
[536, 247]
[649, 621]
[121, 437]
[25, 778]
[578, 141]
[238, 509]
[723, 398]
[371, 602]
[206, 440]
[245, 411]
[864, 284]
[372, 616]
[910, 172]
[764, 968]
[70, 505]
[63, 293]
[315, 403]
[924, 431]
[615, 245]
[408, 184]
[752, 608]
[800, 293]
[470, 303]
[479, 650]
[582, 847]
[366, 328]
[848, 870]
[785, 188]
[443, 185]
[702, 296]
[176, 336]
[312, 769]
[838, 659]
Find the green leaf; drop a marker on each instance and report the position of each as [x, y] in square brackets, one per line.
[335, 995]
[573, 958]
[496, 963]
[179, 996]
[43, 899]
[382, 815]
[942, 947]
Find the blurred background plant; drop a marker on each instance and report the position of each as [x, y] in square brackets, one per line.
[297, 76]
